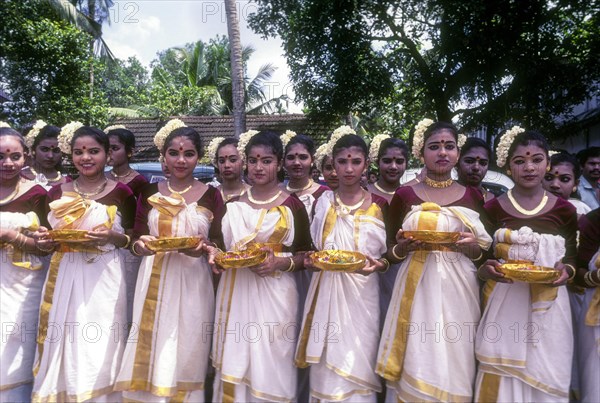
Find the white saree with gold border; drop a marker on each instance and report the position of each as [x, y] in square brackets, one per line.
[21, 281]
[340, 329]
[82, 326]
[524, 342]
[255, 322]
[589, 341]
[169, 345]
[427, 347]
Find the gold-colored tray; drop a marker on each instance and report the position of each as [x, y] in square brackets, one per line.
[440, 237]
[529, 273]
[69, 235]
[238, 259]
[338, 260]
[168, 244]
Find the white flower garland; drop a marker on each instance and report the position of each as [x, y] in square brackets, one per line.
[4, 124]
[66, 135]
[211, 149]
[375, 145]
[419, 136]
[163, 133]
[322, 151]
[33, 133]
[462, 139]
[338, 134]
[505, 141]
[114, 127]
[286, 137]
[552, 152]
[243, 141]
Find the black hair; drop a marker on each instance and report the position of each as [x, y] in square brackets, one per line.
[97, 134]
[527, 138]
[228, 141]
[266, 138]
[564, 157]
[392, 143]
[587, 153]
[350, 140]
[9, 131]
[303, 139]
[187, 132]
[47, 132]
[475, 142]
[126, 137]
[438, 127]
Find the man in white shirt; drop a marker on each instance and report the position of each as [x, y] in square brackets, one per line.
[590, 175]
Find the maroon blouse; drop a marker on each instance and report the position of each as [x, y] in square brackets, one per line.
[302, 240]
[589, 237]
[120, 196]
[211, 200]
[32, 200]
[560, 220]
[137, 184]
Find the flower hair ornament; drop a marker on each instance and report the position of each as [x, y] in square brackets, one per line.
[462, 139]
[66, 135]
[243, 142]
[419, 136]
[286, 137]
[322, 151]
[4, 124]
[163, 133]
[505, 141]
[552, 152]
[114, 127]
[376, 144]
[211, 149]
[33, 133]
[338, 134]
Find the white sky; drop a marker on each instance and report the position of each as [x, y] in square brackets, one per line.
[143, 27]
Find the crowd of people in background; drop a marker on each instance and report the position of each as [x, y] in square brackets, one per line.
[92, 309]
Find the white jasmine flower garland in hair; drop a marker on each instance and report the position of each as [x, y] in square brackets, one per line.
[211, 149]
[286, 137]
[4, 124]
[114, 127]
[505, 141]
[419, 136]
[66, 135]
[338, 134]
[163, 133]
[33, 133]
[462, 139]
[375, 145]
[322, 151]
[243, 141]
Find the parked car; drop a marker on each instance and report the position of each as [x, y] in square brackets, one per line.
[154, 173]
[494, 181]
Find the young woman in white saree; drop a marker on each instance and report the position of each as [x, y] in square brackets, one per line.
[83, 326]
[340, 329]
[426, 352]
[22, 206]
[168, 349]
[524, 342]
[256, 316]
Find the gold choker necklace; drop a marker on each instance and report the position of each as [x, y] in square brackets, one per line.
[55, 179]
[112, 172]
[523, 211]
[261, 202]
[438, 184]
[346, 209]
[87, 195]
[179, 192]
[382, 190]
[294, 190]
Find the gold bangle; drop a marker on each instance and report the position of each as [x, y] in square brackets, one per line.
[14, 240]
[291, 267]
[589, 281]
[386, 263]
[395, 255]
[478, 257]
[132, 248]
[571, 276]
[127, 241]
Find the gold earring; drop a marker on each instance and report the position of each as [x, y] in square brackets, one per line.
[548, 168]
[574, 189]
[508, 172]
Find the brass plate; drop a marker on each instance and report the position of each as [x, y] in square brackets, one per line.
[529, 273]
[338, 260]
[69, 235]
[172, 244]
[238, 259]
[440, 237]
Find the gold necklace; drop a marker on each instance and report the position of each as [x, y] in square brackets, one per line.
[382, 190]
[112, 172]
[523, 211]
[438, 184]
[55, 179]
[231, 196]
[87, 195]
[179, 192]
[346, 209]
[11, 196]
[294, 190]
[259, 202]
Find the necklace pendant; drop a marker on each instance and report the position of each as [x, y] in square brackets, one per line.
[438, 184]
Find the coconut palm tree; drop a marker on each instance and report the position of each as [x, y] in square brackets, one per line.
[237, 68]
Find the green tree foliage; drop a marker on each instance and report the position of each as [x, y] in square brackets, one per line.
[45, 64]
[125, 82]
[484, 63]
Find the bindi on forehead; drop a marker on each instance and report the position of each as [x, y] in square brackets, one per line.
[8, 150]
[84, 147]
[528, 153]
[349, 155]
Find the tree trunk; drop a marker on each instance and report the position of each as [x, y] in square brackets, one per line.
[237, 68]
[92, 15]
